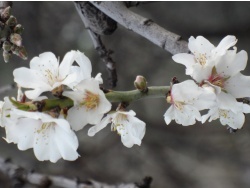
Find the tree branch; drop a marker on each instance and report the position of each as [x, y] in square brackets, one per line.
[145, 27]
[97, 26]
[137, 3]
[20, 176]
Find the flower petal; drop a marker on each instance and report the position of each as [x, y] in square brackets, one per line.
[64, 68]
[93, 130]
[238, 85]
[46, 64]
[77, 118]
[200, 45]
[84, 63]
[226, 43]
[187, 60]
[231, 63]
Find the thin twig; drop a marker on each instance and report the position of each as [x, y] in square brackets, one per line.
[145, 27]
[95, 28]
[20, 176]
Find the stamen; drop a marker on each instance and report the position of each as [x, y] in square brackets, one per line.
[91, 100]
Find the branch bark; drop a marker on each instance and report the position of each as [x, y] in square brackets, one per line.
[167, 40]
[97, 26]
[20, 176]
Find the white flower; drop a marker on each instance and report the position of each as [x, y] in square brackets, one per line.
[6, 107]
[226, 74]
[199, 64]
[131, 129]
[228, 110]
[90, 103]
[187, 99]
[50, 138]
[45, 73]
[1, 113]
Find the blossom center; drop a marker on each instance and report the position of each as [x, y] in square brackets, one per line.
[223, 113]
[118, 121]
[91, 100]
[50, 76]
[217, 80]
[177, 104]
[44, 127]
[201, 58]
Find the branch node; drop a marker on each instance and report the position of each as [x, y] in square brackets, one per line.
[147, 22]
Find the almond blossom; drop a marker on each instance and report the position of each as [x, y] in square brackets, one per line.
[90, 103]
[131, 129]
[51, 138]
[187, 99]
[46, 74]
[199, 64]
[228, 110]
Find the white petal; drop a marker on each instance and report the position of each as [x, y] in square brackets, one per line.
[93, 130]
[138, 127]
[46, 64]
[98, 77]
[225, 44]
[77, 118]
[64, 68]
[213, 113]
[84, 63]
[76, 96]
[104, 105]
[169, 115]
[28, 78]
[187, 60]
[43, 145]
[200, 45]
[232, 63]
[66, 142]
[235, 121]
[238, 86]
[185, 91]
[227, 102]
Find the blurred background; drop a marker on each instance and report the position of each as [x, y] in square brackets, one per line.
[202, 155]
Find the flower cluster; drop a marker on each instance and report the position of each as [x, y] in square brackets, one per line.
[218, 84]
[50, 130]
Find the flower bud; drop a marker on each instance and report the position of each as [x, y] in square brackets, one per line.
[20, 51]
[11, 22]
[6, 56]
[18, 29]
[16, 39]
[6, 46]
[6, 13]
[141, 84]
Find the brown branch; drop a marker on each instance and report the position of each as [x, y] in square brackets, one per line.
[20, 176]
[96, 26]
[145, 27]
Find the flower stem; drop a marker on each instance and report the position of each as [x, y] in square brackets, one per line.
[112, 96]
[134, 95]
